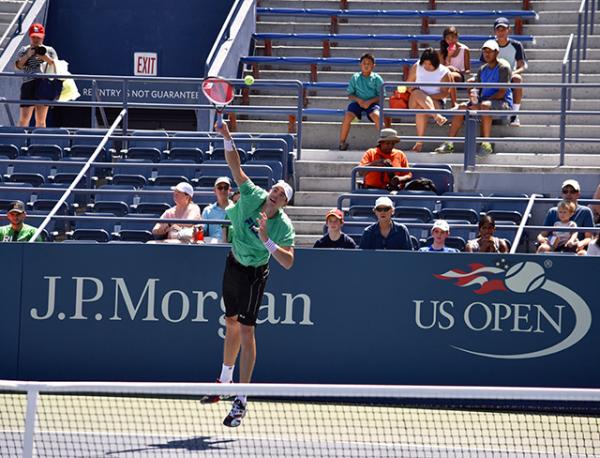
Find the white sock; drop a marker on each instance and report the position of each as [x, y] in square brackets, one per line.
[226, 374]
[244, 399]
[516, 106]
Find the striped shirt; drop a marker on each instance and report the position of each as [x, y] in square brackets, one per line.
[33, 64]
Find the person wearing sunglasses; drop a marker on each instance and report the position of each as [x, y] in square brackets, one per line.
[583, 217]
[385, 234]
[216, 210]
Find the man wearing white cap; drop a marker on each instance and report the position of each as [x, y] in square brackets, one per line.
[583, 217]
[385, 234]
[216, 210]
[260, 229]
[487, 98]
[184, 208]
[439, 233]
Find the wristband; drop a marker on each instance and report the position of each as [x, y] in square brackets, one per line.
[271, 246]
[228, 144]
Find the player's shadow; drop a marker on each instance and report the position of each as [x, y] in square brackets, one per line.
[201, 443]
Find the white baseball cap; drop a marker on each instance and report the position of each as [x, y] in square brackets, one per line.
[287, 189]
[573, 183]
[184, 187]
[441, 224]
[223, 180]
[384, 202]
[491, 44]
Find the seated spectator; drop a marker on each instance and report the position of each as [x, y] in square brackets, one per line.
[583, 216]
[457, 57]
[560, 240]
[385, 155]
[385, 234]
[486, 242]
[17, 230]
[493, 71]
[363, 90]
[440, 232]
[512, 52]
[428, 70]
[335, 238]
[184, 208]
[593, 248]
[596, 207]
[216, 210]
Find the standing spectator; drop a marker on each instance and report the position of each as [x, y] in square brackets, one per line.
[385, 234]
[560, 240]
[583, 216]
[335, 238]
[385, 155]
[17, 230]
[512, 51]
[457, 57]
[363, 90]
[596, 207]
[486, 242]
[428, 70]
[440, 232]
[493, 71]
[31, 59]
[216, 210]
[184, 208]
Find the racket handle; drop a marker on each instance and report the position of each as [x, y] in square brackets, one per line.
[219, 119]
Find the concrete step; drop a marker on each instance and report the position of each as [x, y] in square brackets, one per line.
[300, 213]
[309, 227]
[316, 198]
[306, 241]
[10, 6]
[326, 184]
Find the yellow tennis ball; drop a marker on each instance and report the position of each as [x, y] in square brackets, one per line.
[249, 80]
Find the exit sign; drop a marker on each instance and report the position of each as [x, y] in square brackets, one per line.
[145, 63]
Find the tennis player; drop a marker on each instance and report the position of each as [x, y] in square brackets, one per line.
[260, 229]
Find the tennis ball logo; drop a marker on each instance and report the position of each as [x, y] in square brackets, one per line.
[525, 277]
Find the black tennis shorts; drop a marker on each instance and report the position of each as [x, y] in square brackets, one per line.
[243, 289]
[28, 92]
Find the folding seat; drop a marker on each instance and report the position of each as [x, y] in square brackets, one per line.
[11, 191]
[132, 172]
[49, 147]
[175, 171]
[99, 230]
[13, 141]
[83, 144]
[155, 202]
[461, 209]
[135, 231]
[29, 170]
[183, 149]
[507, 211]
[116, 203]
[218, 154]
[151, 150]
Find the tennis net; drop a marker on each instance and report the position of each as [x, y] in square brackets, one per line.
[83, 419]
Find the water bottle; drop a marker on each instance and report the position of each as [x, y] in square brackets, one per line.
[199, 233]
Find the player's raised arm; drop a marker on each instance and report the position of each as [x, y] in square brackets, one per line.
[231, 155]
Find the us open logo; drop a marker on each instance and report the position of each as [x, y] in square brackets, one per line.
[520, 280]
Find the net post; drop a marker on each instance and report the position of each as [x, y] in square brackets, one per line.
[30, 415]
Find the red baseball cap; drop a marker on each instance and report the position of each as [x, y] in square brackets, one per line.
[37, 30]
[335, 212]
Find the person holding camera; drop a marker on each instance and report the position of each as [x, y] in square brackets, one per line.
[30, 60]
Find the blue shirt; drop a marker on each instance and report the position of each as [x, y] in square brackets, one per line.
[583, 216]
[445, 249]
[500, 73]
[397, 239]
[213, 211]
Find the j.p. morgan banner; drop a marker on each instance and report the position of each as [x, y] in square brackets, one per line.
[135, 312]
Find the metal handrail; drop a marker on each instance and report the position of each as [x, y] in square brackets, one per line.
[223, 35]
[17, 18]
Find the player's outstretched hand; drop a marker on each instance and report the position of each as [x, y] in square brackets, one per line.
[262, 227]
[224, 130]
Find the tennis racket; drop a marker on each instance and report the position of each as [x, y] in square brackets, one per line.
[220, 93]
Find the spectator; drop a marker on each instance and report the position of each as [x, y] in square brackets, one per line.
[184, 208]
[486, 242]
[363, 90]
[512, 51]
[493, 71]
[335, 238]
[17, 230]
[385, 155]
[596, 207]
[593, 248]
[216, 210]
[385, 234]
[428, 70]
[583, 216]
[31, 59]
[560, 240]
[440, 232]
[457, 57]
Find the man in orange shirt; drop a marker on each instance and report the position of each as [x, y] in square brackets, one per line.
[385, 155]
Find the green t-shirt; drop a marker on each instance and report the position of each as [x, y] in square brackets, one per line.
[247, 246]
[26, 232]
[365, 87]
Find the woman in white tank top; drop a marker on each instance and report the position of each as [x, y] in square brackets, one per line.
[427, 70]
[457, 57]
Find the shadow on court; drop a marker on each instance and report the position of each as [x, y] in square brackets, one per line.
[201, 443]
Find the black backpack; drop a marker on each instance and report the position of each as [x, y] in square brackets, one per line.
[421, 184]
